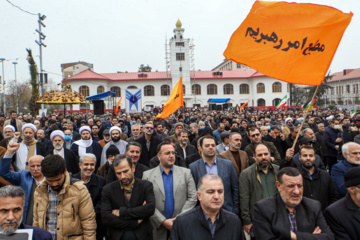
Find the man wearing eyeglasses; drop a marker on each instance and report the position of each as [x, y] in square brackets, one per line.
[148, 143]
[255, 138]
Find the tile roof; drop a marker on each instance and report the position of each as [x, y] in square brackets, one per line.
[349, 73]
[136, 76]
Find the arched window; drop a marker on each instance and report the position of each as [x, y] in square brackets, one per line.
[184, 89]
[244, 89]
[100, 89]
[260, 102]
[165, 90]
[260, 87]
[149, 90]
[276, 101]
[228, 89]
[116, 90]
[276, 87]
[132, 87]
[196, 89]
[84, 90]
[212, 89]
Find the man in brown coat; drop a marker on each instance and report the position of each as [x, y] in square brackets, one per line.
[238, 157]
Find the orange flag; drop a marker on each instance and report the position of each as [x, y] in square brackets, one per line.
[292, 42]
[175, 101]
[117, 106]
[242, 106]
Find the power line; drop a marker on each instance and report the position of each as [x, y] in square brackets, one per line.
[21, 8]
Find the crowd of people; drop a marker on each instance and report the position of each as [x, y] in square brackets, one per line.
[198, 174]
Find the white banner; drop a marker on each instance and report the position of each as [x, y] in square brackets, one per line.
[133, 103]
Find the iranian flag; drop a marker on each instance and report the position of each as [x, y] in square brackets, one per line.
[354, 112]
[282, 102]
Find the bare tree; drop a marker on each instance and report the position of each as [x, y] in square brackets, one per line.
[24, 96]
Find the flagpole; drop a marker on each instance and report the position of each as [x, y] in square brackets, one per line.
[306, 114]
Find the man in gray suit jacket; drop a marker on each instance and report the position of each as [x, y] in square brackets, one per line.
[174, 189]
[210, 164]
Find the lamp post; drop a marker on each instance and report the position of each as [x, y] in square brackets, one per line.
[16, 87]
[3, 86]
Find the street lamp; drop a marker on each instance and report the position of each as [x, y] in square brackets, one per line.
[16, 87]
[3, 85]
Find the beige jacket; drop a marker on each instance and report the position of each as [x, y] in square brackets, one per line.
[76, 216]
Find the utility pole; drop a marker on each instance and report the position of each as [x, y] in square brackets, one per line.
[3, 86]
[16, 87]
[42, 76]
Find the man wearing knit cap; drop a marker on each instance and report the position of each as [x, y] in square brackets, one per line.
[57, 138]
[28, 147]
[343, 216]
[111, 152]
[115, 133]
[87, 145]
[286, 129]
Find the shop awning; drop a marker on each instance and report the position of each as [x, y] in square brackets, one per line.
[218, 100]
[100, 96]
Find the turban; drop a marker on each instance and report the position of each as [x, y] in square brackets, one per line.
[9, 126]
[57, 133]
[115, 128]
[30, 125]
[86, 128]
[288, 119]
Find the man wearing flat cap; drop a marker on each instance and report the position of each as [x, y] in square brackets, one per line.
[28, 147]
[57, 138]
[343, 216]
[115, 133]
[224, 144]
[87, 145]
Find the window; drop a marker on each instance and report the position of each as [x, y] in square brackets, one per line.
[347, 88]
[132, 87]
[149, 90]
[260, 102]
[276, 87]
[276, 101]
[260, 87]
[196, 89]
[84, 90]
[356, 88]
[179, 44]
[100, 89]
[238, 65]
[180, 56]
[218, 74]
[165, 90]
[332, 91]
[228, 89]
[116, 90]
[184, 89]
[244, 89]
[211, 89]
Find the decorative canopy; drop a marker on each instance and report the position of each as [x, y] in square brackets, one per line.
[66, 96]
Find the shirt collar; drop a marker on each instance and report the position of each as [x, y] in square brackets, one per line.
[131, 188]
[207, 218]
[163, 172]
[214, 163]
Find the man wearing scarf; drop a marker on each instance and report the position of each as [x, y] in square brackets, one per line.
[115, 133]
[87, 145]
[28, 147]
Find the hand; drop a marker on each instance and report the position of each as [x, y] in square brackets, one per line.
[289, 154]
[339, 139]
[168, 223]
[272, 159]
[116, 212]
[144, 203]
[293, 235]
[12, 148]
[140, 221]
[337, 147]
[16, 135]
[247, 228]
[317, 230]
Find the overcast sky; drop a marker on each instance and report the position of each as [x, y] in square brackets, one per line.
[119, 35]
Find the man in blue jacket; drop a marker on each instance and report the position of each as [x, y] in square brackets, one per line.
[351, 152]
[27, 179]
[332, 140]
[210, 164]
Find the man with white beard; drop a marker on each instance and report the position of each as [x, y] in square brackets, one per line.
[115, 133]
[87, 145]
[57, 138]
[9, 132]
[28, 147]
[12, 200]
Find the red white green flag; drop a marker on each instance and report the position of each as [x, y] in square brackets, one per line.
[282, 102]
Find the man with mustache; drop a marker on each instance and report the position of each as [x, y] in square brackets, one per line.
[12, 200]
[115, 133]
[289, 215]
[208, 220]
[9, 133]
[257, 182]
[27, 179]
[127, 204]
[62, 204]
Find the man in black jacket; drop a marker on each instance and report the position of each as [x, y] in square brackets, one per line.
[148, 143]
[94, 184]
[127, 204]
[343, 216]
[318, 184]
[208, 220]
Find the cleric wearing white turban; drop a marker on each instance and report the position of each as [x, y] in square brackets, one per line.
[115, 133]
